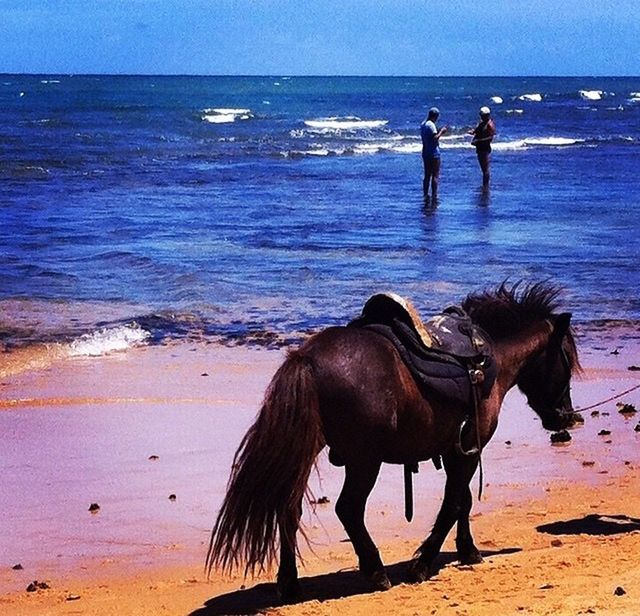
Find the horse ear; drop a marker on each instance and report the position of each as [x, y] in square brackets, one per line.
[561, 325]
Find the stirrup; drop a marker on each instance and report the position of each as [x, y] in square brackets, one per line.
[471, 452]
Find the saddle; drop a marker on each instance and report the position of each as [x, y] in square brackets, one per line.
[448, 356]
[444, 354]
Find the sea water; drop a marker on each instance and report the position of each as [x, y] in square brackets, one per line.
[136, 208]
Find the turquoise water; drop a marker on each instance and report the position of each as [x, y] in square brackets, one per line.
[240, 207]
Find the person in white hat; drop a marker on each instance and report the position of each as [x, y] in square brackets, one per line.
[483, 135]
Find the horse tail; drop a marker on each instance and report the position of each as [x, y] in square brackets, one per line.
[270, 472]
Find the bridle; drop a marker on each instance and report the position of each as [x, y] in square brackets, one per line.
[563, 404]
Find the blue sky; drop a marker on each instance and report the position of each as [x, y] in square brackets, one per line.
[321, 37]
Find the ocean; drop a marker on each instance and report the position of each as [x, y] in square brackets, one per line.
[137, 209]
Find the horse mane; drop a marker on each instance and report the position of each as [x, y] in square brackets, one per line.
[508, 309]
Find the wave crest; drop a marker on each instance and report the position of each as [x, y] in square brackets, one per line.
[108, 340]
[534, 97]
[224, 115]
[344, 123]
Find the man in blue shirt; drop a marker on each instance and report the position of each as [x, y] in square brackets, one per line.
[431, 151]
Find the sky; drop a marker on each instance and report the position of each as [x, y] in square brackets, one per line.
[321, 37]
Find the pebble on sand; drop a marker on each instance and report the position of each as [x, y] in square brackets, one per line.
[94, 507]
[626, 409]
[35, 585]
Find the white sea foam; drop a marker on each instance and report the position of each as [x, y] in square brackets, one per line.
[535, 97]
[219, 118]
[507, 146]
[223, 115]
[108, 340]
[553, 141]
[516, 111]
[407, 148]
[497, 100]
[591, 95]
[344, 123]
[529, 142]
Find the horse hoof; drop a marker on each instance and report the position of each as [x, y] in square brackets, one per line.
[419, 571]
[380, 581]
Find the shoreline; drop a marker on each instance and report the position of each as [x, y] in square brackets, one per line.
[83, 430]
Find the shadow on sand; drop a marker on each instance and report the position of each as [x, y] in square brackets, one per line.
[593, 524]
[320, 588]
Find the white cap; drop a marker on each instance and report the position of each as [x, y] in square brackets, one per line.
[485, 111]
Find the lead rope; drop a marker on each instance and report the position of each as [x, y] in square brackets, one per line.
[623, 393]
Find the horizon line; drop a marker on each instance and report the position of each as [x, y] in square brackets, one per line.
[318, 76]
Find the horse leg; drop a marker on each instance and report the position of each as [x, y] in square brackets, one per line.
[358, 483]
[468, 553]
[287, 584]
[455, 507]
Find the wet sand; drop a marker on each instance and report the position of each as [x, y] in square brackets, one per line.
[559, 526]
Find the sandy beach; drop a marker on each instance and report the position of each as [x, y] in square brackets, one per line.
[148, 436]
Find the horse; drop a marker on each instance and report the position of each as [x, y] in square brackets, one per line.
[348, 389]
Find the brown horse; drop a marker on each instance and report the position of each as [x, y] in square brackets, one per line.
[348, 389]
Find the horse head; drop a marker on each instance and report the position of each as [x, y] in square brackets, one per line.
[546, 378]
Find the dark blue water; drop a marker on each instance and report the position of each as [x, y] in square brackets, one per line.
[273, 205]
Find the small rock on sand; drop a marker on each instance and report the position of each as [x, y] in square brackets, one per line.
[619, 591]
[627, 409]
[94, 507]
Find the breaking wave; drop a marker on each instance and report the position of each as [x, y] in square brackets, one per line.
[223, 115]
[344, 123]
[108, 340]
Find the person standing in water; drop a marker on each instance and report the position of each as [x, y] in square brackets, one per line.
[431, 151]
[483, 135]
